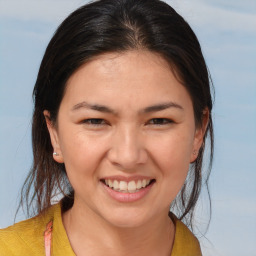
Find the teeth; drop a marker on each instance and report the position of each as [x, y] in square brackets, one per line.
[116, 185]
[127, 187]
[123, 185]
[139, 184]
[131, 186]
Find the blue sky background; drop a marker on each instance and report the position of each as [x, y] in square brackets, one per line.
[227, 32]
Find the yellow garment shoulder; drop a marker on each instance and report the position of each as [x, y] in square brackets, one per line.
[185, 243]
[25, 237]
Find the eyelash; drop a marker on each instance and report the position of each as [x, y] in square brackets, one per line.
[156, 121]
[161, 121]
[95, 121]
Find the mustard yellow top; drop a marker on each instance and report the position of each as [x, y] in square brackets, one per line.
[27, 237]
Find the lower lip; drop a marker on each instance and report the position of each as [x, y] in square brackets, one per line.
[128, 197]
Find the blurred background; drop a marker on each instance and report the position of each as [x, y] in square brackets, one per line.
[227, 33]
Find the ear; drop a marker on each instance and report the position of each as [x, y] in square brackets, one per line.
[199, 136]
[57, 154]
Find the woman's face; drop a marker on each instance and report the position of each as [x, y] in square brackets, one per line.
[126, 133]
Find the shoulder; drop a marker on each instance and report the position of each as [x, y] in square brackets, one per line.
[185, 243]
[26, 237]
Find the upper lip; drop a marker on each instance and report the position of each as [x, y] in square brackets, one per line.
[127, 179]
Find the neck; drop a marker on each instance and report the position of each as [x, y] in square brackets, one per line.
[91, 235]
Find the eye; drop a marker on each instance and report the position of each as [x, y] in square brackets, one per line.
[94, 121]
[160, 121]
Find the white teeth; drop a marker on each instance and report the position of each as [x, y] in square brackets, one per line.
[132, 186]
[139, 184]
[127, 187]
[116, 185]
[110, 183]
[123, 185]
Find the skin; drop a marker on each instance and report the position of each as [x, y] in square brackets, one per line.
[132, 140]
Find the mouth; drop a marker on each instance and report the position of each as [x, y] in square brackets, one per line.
[133, 186]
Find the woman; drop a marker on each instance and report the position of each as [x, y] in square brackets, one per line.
[122, 113]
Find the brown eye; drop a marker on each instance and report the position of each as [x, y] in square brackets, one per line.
[94, 121]
[160, 121]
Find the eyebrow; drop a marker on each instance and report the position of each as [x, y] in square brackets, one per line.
[97, 107]
[162, 106]
[105, 109]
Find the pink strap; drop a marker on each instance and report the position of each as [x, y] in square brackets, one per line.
[48, 238]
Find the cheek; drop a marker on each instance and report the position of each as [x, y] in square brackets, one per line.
[172, 154]
[172, 157]
[174, 149]
[82, 155]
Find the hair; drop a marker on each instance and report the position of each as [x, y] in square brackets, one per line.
[107, 26]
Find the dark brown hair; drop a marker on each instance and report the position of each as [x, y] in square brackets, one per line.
[115, 26]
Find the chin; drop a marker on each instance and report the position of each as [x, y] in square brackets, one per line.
[126, 218]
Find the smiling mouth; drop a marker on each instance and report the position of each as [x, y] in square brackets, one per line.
[128, 187]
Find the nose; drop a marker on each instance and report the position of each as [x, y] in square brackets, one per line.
[127, 149]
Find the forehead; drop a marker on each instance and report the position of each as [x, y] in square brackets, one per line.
[128, 65]
[136, 77]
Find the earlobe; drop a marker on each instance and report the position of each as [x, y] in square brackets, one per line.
[199, 136]
[57, 154]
